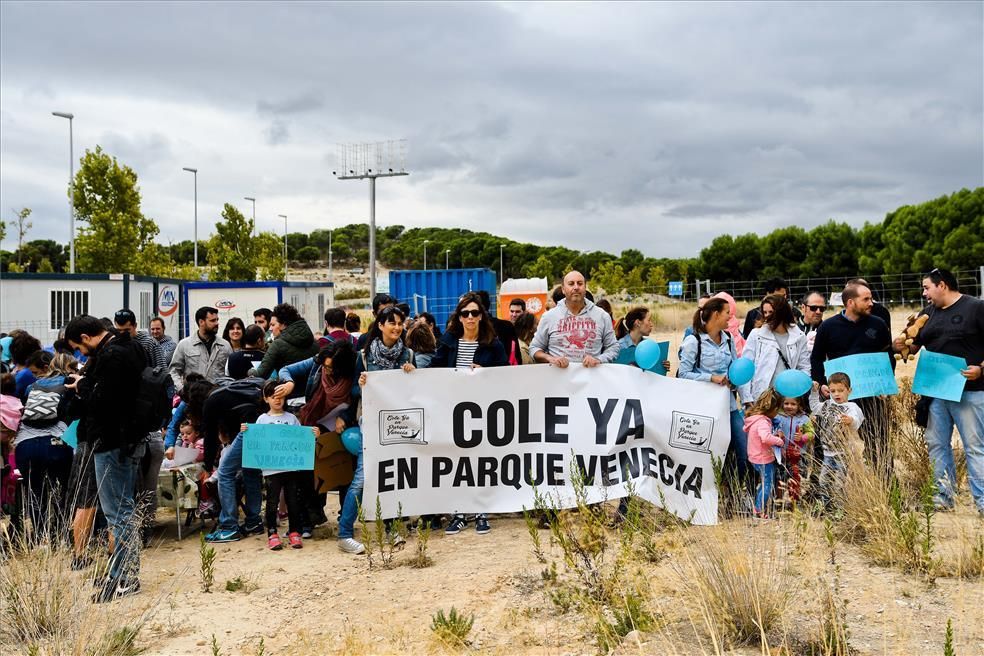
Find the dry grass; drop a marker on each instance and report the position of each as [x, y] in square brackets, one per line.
[46, 608]
[742, 587]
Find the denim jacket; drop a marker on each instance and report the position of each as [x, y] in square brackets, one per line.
[714, 359]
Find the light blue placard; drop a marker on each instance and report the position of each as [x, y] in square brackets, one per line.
[71, 435]
[870, 373]
[664, 350]
[676, 288]
[278, 447]
[626, 355]
[938, 376]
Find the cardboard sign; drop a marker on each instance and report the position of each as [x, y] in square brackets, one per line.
[278, 448]
[938, 376]
[870, 373]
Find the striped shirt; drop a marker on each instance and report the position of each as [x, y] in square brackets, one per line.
[466, 353]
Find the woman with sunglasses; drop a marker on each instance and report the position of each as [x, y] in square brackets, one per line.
[384, 350]
[469, 342]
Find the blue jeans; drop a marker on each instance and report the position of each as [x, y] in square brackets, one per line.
[350, 507]
[231, 465]
[968, 416]
[767, 477]
[116, 475]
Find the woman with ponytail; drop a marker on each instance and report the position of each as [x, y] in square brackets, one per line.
[630, 330]
[705, 356]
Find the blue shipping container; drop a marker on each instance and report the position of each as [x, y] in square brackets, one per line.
[437, 290]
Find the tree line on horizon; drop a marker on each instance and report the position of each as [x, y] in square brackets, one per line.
[115, 236]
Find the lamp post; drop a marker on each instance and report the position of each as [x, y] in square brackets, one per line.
[71, 188]
[501, 277]
[253, 200]
[330, 276]
[426, 241]
[195, 171]
[447, 259]
[284, 217]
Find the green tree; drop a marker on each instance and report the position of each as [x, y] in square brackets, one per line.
[656, 281]
[45, 266]
[21, 225]
[232, 250]
[114, 236]
[542, 267]
[833, 251]
[782, 253]
[308, 254]
[608, 276]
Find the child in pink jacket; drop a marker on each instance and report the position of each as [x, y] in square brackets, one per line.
[761, 439]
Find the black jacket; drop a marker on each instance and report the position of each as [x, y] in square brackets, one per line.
[487, 355]
[107, 393]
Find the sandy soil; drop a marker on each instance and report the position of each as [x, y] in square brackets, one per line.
[319, 600]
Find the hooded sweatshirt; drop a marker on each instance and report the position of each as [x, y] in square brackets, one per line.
[574, 336]
[295, 343]
[761, 439]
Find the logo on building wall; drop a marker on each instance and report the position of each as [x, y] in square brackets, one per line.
[167, 300]
[225, 304]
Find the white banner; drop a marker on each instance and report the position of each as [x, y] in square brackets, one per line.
[467, 441]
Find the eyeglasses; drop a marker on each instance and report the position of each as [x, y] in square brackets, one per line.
[470, 313]
[816, 308]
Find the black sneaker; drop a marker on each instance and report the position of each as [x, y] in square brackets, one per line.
[247, 531]
[455, 526]
[482, 525]
[111, 591]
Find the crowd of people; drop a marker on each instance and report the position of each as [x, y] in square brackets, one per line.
[84, 436]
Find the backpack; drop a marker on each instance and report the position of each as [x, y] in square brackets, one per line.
[41, 406]
[152, 407]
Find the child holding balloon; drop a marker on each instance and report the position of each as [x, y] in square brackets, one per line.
[794, 424]
[761, 439]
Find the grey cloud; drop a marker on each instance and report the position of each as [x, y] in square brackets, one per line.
[696, 119]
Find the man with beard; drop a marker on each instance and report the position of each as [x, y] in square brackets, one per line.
[167, 344]
[854, 331]
[202, 352]
[105, 395]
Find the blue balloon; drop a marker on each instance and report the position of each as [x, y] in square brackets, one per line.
[741, 371]
[793, 383]
[352, 440]
[647, 354]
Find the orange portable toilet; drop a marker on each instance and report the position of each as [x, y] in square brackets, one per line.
[532, 290]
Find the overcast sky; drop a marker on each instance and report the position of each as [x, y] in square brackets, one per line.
[596, 126]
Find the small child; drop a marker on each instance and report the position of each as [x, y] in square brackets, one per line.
[794, 423]
[188, 438]
[758, 426]
[276, 482]
[837, 421]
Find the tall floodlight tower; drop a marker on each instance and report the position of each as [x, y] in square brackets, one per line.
[361, 161]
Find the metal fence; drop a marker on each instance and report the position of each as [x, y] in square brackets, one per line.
[889, 289]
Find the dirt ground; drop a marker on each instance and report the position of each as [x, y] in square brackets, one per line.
[319, 600]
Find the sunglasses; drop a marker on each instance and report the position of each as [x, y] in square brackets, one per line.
[470, 313]
[816, 308]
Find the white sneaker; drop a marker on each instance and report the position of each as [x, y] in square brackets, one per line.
[395, 539]
[351, 545]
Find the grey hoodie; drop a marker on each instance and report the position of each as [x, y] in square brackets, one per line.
[562, 333]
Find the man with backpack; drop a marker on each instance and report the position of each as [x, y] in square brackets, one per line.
[107, 394]
[150, 466]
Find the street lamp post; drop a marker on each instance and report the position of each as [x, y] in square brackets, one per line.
[501, 277]
[195, 171]
[284, 217]
[253, 200]
[447, 259]
[330, 276]
[71, 188]
[426, 241]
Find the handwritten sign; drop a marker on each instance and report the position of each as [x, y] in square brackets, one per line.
[277, 447]
[938, 375]
[71, 435]
[870, 373]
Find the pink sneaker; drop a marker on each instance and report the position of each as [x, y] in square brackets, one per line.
[274, 543]
[295, 540]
